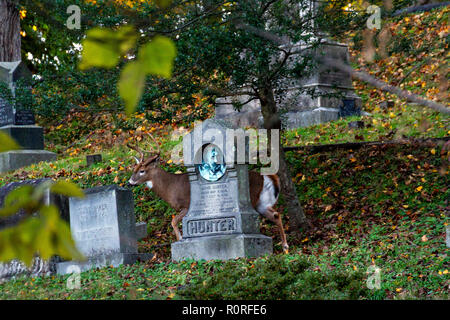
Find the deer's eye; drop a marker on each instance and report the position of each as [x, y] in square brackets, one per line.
[142, 172]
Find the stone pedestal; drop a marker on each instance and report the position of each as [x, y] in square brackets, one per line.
[28, 137]
[31, 139]
[114, 259]
[221, 222]
[13, 160]
[324, 95]
[222, 247]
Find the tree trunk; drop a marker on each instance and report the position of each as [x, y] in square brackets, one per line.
[9, 31]
[297, 218]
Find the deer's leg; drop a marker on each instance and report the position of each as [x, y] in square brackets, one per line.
[275, 217]
[175, 221]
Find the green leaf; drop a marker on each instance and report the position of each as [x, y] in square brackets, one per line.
[131, 85]
[19, 198]
[103, 47]
[157, 56]
[67, 188]
[7, 143]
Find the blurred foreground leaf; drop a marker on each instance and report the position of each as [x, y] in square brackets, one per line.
[45, 233]
[103, 47]
[131, 85]
[7, 143]
[67, 189]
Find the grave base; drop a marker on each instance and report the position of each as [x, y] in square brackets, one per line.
[222, 247]
[114, 259]
[17, 159]
[29, 137]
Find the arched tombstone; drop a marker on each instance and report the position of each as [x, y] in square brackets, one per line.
[221, 222]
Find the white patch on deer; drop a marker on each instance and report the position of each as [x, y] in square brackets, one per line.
[267, 196]
[149, 184]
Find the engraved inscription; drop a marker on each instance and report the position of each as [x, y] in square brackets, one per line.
[215, 199]
[203, 227]
[6, 113]
[93, 228]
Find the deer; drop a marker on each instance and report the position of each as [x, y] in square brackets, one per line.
[175, 190]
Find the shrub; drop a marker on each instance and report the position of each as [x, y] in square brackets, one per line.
[274, 277]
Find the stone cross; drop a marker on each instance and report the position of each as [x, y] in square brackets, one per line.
[221, 222]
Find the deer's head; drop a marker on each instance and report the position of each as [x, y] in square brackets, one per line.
[145, 168]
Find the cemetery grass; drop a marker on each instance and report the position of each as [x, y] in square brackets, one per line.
[383, 205]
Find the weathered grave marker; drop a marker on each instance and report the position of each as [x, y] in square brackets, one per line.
[24, 118]
[19, 124]
[15, 267]
[103, 228]
[447, 236]
[93, 158]
[6, 113]
[220, 223]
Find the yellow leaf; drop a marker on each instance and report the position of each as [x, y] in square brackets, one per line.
[67, 188]
[419, 188]
[7, 143]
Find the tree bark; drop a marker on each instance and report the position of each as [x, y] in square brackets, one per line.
[9, 31]
[297, 218]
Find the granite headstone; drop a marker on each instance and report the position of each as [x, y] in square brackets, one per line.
[6, 113]
[220, 222]
[16, 268]
[104, 229]
[93, 158]
[24, 118]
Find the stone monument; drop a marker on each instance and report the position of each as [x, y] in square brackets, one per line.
[41, 267]
[20, 124]
[104, 229]
[15, 267]
[323, 95]
[221, 222]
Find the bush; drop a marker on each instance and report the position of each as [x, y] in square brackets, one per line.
[274, 277]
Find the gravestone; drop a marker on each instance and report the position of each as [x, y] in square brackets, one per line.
[24, 118]
[104, 229]
[12, 72]
[334, 95]
[20, 124]
[141, 230]
[92, 159]
[4, 191]
[356, 124]
[16, 268]
[221, 222]
[6, 113]
[447, 236]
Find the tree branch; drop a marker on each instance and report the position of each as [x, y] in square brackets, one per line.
[364, 76]
[361, 75]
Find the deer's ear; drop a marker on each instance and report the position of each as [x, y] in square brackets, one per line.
[137, 160]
